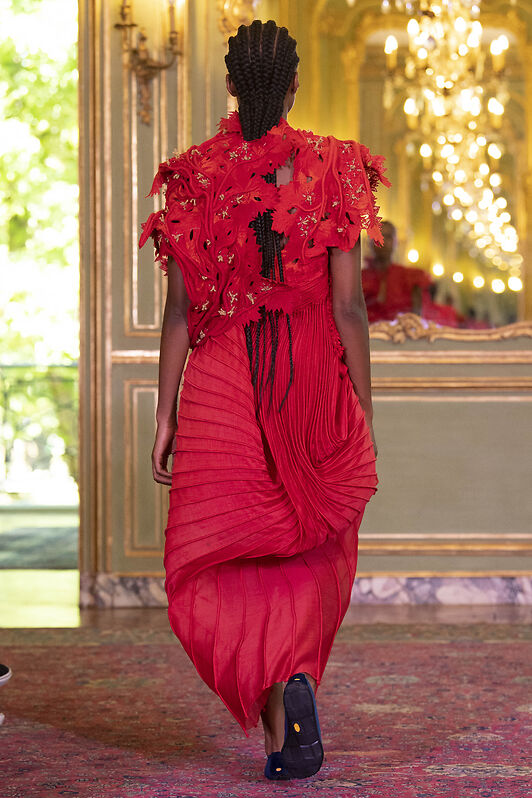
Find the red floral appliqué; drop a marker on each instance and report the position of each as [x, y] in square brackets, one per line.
[214, 190]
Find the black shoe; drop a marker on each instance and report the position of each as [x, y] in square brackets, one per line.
[302, 750]
[5, 674]
[275, 769]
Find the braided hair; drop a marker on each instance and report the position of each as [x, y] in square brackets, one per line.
[261, 62]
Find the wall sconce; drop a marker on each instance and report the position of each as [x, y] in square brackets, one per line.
[140, 61]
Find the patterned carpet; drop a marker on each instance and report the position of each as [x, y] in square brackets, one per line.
[407, 711]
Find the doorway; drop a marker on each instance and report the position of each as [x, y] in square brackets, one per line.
[39, 314]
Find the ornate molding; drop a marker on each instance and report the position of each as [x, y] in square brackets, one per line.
[441, 384]
[409, 326]
[334, 22]
[234, 13]
[482, 547]
[470, 357]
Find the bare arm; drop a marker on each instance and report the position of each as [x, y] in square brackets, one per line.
[174, 348]
[351, 318]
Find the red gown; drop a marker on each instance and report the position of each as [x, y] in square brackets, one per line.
[265, 504]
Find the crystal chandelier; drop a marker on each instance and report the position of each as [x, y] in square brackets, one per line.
[454, 107]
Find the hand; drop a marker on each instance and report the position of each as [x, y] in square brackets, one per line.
[162, 449]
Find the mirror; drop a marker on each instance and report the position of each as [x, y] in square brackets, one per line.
[451, 251]
[444, 100]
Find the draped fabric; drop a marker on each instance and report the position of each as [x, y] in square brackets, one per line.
[265, 505]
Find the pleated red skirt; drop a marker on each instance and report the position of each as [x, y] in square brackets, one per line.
[265, 506]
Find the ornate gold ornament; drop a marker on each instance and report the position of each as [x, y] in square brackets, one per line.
[409, 326]
[140, 62]
[333, 22]
[234, 13]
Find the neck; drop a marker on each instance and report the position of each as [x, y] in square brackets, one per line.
[287, 105]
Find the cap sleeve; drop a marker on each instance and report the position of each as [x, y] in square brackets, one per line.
[155, 225]
[171, 227]
[353, 180]
[331, 197]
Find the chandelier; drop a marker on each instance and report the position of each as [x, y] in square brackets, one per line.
[454, 106]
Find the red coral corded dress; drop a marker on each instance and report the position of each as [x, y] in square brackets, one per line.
[265, 506]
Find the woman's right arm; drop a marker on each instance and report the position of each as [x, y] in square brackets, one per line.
[175, 343]
[351, 318]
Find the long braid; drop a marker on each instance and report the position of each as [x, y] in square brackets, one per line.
[257, 352]
[290, 381]
[249, 342]
[262, 61]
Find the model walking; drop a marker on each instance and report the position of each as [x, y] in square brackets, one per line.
[274, 456]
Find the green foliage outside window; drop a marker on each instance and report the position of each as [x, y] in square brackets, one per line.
[39, 257]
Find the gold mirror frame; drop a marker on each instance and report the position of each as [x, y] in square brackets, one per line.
[410, 326]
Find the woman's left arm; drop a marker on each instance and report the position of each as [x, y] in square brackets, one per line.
[175, 344]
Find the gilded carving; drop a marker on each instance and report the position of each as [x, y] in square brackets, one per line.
[234, 13]
[409, 326]
[333, 23]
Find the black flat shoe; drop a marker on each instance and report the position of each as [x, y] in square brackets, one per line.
[5, 674]
[275, 769]
[302, 750]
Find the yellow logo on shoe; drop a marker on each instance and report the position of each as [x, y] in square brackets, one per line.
[297, 727]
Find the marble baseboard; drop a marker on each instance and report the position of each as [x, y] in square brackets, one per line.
[443, 590]
[110, 591]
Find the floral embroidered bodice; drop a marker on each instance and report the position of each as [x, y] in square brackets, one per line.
[215, 190]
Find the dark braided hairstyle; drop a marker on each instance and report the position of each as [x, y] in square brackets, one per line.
[261, 62]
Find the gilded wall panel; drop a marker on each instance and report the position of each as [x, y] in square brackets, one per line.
[138, 506]
[452, 407]
[144, 509]
[123, 511]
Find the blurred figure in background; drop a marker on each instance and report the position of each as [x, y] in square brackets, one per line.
[390, 288]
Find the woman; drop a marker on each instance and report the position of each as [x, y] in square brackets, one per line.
[274, 456]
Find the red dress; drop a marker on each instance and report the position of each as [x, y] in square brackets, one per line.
[400, 283]
[265, 505]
